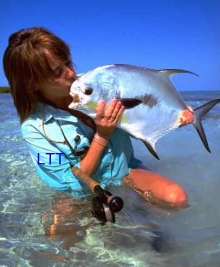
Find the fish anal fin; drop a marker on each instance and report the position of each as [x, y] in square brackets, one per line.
[171, 72]
[151, 148]
[129, 102]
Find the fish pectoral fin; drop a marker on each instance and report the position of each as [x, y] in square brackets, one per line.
[129, 102]
[151, 148]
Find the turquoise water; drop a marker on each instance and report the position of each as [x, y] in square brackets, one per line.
[189, 237]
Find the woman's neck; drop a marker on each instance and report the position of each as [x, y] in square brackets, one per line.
[61, 103]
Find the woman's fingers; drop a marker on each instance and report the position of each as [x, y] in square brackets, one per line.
[110, 112]
[117, 112]
[114, 110]
[186, 117]
[107, 116]
[190, 109]
[100, 109]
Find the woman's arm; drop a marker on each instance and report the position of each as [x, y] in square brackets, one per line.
[106, 121]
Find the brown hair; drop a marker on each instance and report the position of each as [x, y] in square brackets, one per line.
[26, 65]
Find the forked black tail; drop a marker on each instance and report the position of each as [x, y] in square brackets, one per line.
[198, 114]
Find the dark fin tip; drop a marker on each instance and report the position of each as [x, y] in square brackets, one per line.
[201, 133]
[129, 102]
[198, 114]
[151, 149]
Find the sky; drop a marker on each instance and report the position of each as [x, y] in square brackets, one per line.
[182, 34]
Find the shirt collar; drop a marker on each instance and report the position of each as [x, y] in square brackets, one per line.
[49, 112]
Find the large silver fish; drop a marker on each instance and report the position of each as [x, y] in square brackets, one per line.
[152, 104]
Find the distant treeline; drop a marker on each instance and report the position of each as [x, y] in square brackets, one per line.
[4, 89]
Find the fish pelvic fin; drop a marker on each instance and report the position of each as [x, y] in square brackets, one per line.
[151, 148]
[198, 114]
[171, 72]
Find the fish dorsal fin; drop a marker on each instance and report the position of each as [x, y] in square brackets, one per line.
[171, 72]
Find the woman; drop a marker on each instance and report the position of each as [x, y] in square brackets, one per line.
[39, 70]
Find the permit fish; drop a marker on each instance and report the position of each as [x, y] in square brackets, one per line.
[152, 104]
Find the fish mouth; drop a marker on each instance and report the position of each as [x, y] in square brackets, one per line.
[75, 97]
[79, 93]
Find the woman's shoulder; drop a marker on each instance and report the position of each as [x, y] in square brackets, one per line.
[47, 118]
[41, 114]
[34, 118]
[34, 122]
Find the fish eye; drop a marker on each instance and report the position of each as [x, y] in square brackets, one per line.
[88, 91]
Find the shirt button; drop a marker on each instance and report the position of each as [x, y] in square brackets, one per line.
[109, 150]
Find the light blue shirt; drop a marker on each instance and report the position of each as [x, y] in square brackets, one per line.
[54, 168]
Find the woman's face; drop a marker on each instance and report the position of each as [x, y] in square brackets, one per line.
[59, 86]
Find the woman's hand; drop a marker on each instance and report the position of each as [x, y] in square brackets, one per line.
[106, 120]
[107, 117]
[186, 116]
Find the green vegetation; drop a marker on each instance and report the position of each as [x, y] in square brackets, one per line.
[4, 89]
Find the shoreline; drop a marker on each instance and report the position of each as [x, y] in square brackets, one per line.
[4, 90]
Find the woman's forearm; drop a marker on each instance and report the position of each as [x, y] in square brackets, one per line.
[90, 162]
[106, 121]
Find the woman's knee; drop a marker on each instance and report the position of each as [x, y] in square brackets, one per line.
[156, 188]
[175, 194]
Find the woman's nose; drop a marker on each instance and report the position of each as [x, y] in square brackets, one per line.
[69, 73]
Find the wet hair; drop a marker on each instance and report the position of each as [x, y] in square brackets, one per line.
[26, 65]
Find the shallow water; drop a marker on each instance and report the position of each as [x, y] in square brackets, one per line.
[143, 235]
